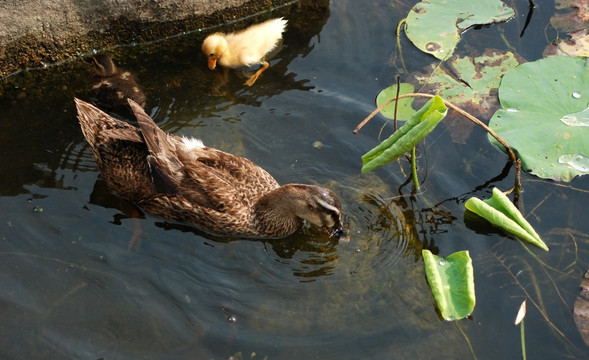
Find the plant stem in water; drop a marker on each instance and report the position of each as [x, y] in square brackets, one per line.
[414, 169]
[523, 336]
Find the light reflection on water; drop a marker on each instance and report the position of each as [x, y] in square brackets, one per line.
[86, 274]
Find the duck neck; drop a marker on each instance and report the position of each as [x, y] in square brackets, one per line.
[274, 214]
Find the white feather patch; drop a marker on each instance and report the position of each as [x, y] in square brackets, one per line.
[327, 206]
[192, 143]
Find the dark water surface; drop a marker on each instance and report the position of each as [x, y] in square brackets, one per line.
[84, 274]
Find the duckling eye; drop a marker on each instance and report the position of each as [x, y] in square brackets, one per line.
[212, 54]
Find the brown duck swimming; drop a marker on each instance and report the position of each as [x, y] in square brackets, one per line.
[114, 85]
[181, 179]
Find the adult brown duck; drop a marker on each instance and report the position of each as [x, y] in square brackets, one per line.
[182, 180]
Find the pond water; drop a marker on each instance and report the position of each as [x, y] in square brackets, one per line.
[86, 275]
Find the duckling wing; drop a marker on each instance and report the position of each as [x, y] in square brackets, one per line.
[251, 45]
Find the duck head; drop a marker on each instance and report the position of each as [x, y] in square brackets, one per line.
[103, 65]
[214, 47]
[321, 207]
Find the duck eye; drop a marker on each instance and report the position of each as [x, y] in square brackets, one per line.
[212, 54]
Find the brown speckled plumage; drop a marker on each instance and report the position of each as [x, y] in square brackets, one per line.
[114, 86]
[182, 180]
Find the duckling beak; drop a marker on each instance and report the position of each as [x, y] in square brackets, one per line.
[339, 233]
[212, 63]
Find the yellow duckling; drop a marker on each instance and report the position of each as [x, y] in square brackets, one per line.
[114, 85]
[181, 179]
[244, 48]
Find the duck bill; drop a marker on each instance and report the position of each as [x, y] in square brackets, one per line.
[339, 233]
[212, 64]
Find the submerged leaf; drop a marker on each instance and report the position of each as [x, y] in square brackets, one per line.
[434, 26]
[544, 105]
[576, 45]
[501, 212]
[404, 109]
[407, 136]
[452, 282]
[470, 83]
[571, 15]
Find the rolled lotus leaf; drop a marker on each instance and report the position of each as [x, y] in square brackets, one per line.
[407, 136]
[501, 212]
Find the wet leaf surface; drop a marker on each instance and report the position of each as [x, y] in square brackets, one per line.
[469, 82]
[435, 26]
[535, 98]
[452, 282]
[501, 212]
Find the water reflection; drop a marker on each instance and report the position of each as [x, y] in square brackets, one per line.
[310, 252]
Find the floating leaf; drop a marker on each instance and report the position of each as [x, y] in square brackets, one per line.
[404, 109]
[572, 15]
[470, 83]
[576, 45]
[501, 212]
[407, 136]
[538, 100]
[452, 282]
[435, 26]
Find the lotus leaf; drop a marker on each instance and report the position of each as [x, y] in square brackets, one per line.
[407, 136]
[404, 109]
[470, 83]
[577, 45]
[435, 26]
[544, 116]
[572, 15]
[452, 282]
[501, 212]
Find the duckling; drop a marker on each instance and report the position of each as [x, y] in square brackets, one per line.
[114, 85]
[244, 48]
[183, 180]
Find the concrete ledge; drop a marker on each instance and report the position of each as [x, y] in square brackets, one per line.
[38, 32]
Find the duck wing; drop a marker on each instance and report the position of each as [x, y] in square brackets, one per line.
[229, 182]
[203, 176]
[119, 151]
[252, 44]
[98, 127]
[163, 163]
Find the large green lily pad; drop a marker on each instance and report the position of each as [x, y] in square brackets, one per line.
[435, 26]
[544, 116]
[470, 83]
[452, 282]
